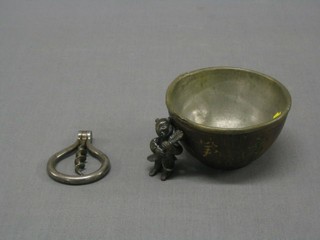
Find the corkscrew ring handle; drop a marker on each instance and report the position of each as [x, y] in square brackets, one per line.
[83, 145]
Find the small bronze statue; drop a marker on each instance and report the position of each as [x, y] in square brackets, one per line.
[164, 148]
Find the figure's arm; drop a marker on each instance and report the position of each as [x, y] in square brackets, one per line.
[154, 146]
[172, 145]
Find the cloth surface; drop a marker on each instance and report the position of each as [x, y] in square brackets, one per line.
[105, 66]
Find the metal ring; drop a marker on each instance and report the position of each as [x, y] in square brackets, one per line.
[83, 179]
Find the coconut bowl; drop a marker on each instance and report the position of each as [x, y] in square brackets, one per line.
[229, 116]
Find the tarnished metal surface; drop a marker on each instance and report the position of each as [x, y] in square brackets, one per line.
[164, 148]
[82, 146]
[229, 116]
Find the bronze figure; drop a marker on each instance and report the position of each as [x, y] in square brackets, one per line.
[164, 148]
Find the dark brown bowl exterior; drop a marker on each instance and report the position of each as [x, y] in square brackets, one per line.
[196, 98]
[227, 149]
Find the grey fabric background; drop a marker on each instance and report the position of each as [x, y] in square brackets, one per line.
[105, 66]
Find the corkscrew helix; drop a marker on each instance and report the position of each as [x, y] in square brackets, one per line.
[82, 146]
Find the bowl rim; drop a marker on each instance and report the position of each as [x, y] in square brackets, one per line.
[207, 128]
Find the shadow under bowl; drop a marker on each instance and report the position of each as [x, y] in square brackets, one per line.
[229, 116]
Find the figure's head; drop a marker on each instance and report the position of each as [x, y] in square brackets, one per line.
[163, 127]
